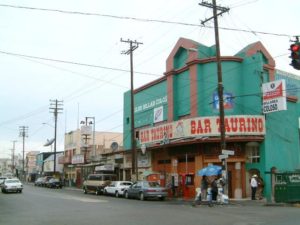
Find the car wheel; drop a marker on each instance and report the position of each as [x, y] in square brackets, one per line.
[162, 198]
[20, 191]
[105, 192]
[117, 194]
[142, 197]
[3, 190]
[98, 192]
[126, 195]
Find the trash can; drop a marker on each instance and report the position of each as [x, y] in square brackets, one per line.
[287, 187]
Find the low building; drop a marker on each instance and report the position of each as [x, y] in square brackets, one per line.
[48, 167]
[31, 166]
[86, 150]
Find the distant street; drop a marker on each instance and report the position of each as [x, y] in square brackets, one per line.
[42, 206]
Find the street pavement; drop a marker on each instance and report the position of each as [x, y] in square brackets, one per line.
[67, 206]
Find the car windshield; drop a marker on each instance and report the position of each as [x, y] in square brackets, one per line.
[12, 181]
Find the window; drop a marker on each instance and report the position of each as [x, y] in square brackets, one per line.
[164, 161]
[252, 152]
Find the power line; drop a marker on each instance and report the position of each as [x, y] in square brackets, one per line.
[139, 19]
[75, 63]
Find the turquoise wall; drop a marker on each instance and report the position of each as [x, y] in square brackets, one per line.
[145, 101]
[182, 94]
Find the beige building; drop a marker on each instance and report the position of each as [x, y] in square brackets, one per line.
[89, 152]
[31, 166]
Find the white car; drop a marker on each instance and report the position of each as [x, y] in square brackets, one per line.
[12, 185]
[117, 188]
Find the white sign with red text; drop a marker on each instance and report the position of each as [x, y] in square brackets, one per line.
[204, 126]
[274, 96]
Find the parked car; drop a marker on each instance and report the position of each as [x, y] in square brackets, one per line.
[12, 185]
[97, 182]
[54, 183]
[39, 181]
[2, 179]
[45, 181]
[117, 188]
[146, 189]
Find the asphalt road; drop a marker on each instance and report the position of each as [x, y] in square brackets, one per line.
[42, 206]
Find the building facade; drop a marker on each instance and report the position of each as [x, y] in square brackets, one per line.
[90, 152]
[31, 165]
[177, 119]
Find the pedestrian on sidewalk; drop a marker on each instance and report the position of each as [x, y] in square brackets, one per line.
[204, 186]
[254, 185]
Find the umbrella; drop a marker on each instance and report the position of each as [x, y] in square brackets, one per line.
[210, 170]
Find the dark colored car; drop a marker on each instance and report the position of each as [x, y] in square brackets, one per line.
[39, 181]
[54, 183]
[46, 181]
[146, 189]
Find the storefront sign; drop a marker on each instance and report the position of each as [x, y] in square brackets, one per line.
[204, 126]
[106, 167]
[151, 104]
[274, 96]
[78, 159]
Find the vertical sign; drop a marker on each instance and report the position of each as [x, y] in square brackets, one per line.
[274, 96]
[158, 114]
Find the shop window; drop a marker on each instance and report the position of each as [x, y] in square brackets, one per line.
[252, 152]
[184, 159]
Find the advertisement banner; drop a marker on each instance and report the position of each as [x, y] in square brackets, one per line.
[204, 126]
[274, 96]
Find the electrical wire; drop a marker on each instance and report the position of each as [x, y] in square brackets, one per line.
[138, 19]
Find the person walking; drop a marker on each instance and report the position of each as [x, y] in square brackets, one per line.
[204, 186]
[254, 184]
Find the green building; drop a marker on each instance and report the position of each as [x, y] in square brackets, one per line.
[176, 118]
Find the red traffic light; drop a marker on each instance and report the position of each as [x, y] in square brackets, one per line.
[295, 47]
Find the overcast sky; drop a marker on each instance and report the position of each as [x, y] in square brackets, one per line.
[27, 84]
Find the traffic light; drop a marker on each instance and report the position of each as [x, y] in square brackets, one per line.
[295, 55]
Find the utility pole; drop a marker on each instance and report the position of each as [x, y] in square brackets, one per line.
[55, 108]
[134, 164]
[13, 157]
[23, 132]
[219, 71]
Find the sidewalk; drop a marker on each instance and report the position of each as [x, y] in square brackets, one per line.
[240, 202]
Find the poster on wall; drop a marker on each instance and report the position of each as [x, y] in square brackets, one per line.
[227, 100]
[158, 114]
[274, 96]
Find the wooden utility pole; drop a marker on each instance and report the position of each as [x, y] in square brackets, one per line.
[23, 133]
[13, 157]
[54, 108]
[134, 164]
[219, 64]
[220, 80]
